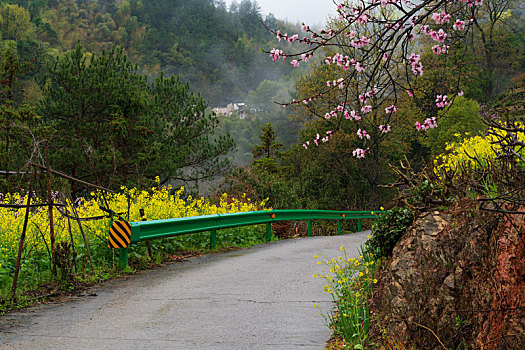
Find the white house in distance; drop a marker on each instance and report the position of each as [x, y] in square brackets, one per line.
[240, 107]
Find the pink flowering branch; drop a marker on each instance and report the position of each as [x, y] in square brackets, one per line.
[376, 57]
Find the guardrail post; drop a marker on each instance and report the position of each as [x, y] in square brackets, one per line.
[143, 218]
[213, 239]
[268, 232]
[338, 227]
[358, 225]
[123, 258]
[309, 228]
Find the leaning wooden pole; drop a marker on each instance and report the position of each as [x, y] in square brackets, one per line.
[21, 244]
[72, 241]
[50, 210]
[82, 232]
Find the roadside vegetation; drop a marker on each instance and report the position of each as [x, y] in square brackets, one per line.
[81, 231]
[471, 176]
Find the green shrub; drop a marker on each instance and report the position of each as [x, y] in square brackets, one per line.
[388, 230]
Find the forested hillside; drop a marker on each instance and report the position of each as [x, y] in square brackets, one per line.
[215, 48]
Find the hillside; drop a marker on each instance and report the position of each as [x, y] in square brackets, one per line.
[215, 48]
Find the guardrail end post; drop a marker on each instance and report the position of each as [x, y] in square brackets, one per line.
[359, 225]
[309, 228]
[339, 227]
[123, 258]
[268, 232]
[213, 239]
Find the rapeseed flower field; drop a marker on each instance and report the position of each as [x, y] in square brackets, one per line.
[473, 152]
[157, 203]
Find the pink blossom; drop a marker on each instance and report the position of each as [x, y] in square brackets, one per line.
[441, 18]
[417, 66]
[366, 109]
[363, 134]
[460, 93]
[359, 153]
[409, 93]
[439, 36]
[430, 123]
[442, 101]
[390, 109]
[276, 53]
[459, 25]
[295, 63]
[362, 19]
[414, 58]
[384, 128]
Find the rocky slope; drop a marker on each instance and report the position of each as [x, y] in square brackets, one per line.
[456, 280]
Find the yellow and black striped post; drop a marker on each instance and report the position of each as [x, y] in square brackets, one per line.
[120, 234]
[120, 237]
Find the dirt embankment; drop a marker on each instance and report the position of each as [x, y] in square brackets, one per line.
[456, 280]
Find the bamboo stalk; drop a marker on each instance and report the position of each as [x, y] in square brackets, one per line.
[21, 245]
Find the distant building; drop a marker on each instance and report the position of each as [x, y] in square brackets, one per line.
[238, 107]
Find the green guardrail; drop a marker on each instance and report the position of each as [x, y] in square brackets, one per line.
[154, 229]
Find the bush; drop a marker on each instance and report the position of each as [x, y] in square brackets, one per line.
[388, 231]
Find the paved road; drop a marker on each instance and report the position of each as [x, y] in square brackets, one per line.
[257, 298]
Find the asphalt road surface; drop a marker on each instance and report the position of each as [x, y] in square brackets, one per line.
[256, 298]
